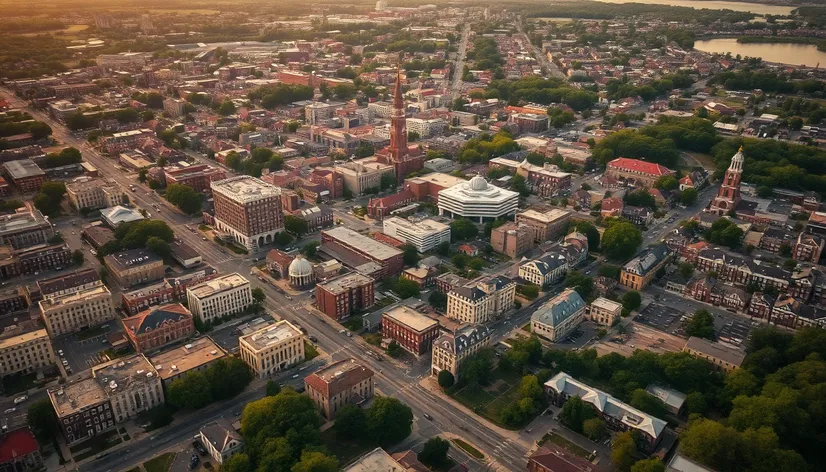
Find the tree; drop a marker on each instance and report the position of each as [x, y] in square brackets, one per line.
[283, 238]
[227, 108]
[406, 288]
[310, 249]
[631, 300]
[623, 451]
[77, 257]
[237, 463]
[271, 417]
[159, 247]
[389, 420]
[351, 423]
[295, 225]
[688, 197]
[477, 368]
[42, 420]
[575, 412]
[394, 349]
[621, 241]
[185, 198]
[724, 232]
[594, 428]
[667, 182]
[434, 453]
[443, 249]
[258, 295]
[642, 400]
[228, 377]
[40, 130]
[313, 461]
[463, 229]
[190, 392]
[590, 231]
[411, 254]
[438, 300]
[583, 284]
[648, 465]
[701, 325]
[446, 379]
[273, 388]
[50, 196]
[685, 269]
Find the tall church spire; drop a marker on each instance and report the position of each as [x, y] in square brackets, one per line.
[728, 197]
[398, 128]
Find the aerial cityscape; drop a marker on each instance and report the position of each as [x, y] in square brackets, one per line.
[397, 236]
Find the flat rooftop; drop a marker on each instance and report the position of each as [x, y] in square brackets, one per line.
[132, 258]
[271, 335]
[190, 356]
[23, 219]
[68, 281]
[245, 189]
[75, 397]
[217, 285]
[606, 304]
[418, 227]
[362, 243]
[76, 297]
[22, 169]
[10, 341]
[345, 282]
[549, 216]
[716, 350]
[411, 318]
[122, 373]
[440, 179]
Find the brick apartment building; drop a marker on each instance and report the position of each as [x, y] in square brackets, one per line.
[17, 262]
[339, 297]
[512, 239]
[635, 171]
[166, 291]
[25, 175]
[199, 176]
[545, 224]
[83, 410]
[412, 330]
[248, 209]
[341, 383]
[158, 326]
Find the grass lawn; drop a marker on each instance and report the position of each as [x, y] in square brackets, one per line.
[474, 396]
[467, 448]
[310, 352]
[560, 441]
[489, 401]
[161, 463]
[373, 338]
[345, 451]
[355, 323]
[704, 159]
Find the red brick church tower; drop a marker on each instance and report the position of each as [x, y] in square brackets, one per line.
[729, 195]
[404, 158]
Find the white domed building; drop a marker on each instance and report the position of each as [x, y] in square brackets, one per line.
[301, 273]
[477, 200]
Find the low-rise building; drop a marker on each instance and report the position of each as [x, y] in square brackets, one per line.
[92, 194]
[33, 260]
[272, 349]
[617, 414]
[548, 269]
[195, 356]
[353, 245]
[158, 326]
[340, 383]
[559, 316]
[83, 410]
[131, 384]
[184, 254]
[19, 451]
[24, 228]
[551, 458]
[25, 352]
[117, 215]
[135, 266]
[25, 175]
[639, 272]
[481, 300]
[221, 440]
[412, 330]
[376, 460]
[68, 283]
[74, 311]
[722, 357]
[425, 234]
[225, 295]
[604, 311]
[512, 239]
[339, 297]
[450, 350]
[166, 291]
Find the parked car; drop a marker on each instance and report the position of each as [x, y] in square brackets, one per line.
[199, 447]
[193, 461]
[20, 399]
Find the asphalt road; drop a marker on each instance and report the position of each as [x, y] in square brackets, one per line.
[456, 86]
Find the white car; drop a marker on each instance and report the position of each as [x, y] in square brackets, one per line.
[60, 352]
[20, 399]
[10, 410]
[94, 252]
[64, 362]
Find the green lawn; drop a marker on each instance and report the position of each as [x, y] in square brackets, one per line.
[562, 442]
[473, 396]
[373, 338]
[355, 323]
[489, 401]
[467, 448]
[310, 352]
[161, 463]
[345, 451]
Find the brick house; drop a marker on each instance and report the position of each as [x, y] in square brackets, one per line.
[159, 326]
[412, 330]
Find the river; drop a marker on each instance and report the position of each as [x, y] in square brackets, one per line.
[784, 53]
[756, 8]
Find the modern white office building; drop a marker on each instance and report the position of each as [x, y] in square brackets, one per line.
[218, 297]
[425, 234]
[477, 200]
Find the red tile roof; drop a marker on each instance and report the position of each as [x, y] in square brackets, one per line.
[636, 165]
[17, 444]
[612, 204]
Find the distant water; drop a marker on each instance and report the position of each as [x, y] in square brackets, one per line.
[756, 8]
[794, 54]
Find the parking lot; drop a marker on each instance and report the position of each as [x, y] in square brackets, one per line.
[85, 349]
[661, 317]
[580, 337]
[728, 327]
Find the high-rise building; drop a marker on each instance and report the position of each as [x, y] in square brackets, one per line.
[729, 194]
[248, 209]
